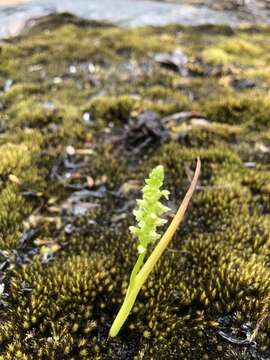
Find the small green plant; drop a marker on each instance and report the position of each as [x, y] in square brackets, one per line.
[148, 215]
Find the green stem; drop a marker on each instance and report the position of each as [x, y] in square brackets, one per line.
[125, 309]
[130, 298]
[143, 274]
[136, 269]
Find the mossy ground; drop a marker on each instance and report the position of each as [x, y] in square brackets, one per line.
[66, 252]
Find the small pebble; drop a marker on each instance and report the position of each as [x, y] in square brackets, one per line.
[72, 69]
[57, 80]
[70, 150]
[7, 85]
[69, 228]
[91, 68]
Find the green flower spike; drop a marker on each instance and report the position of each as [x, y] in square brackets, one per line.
[148, 215]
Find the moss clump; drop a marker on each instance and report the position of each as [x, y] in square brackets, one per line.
[13, 211]
[32, 114]
[258, 182]
[78, 287]
[229, 50]
[251, 110]
[111, 108]
[17, 160]
[22, 90]
[203, 134]
[217, 56]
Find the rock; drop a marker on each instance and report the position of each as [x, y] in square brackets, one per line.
[176, 61]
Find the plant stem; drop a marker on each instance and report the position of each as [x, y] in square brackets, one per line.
[125, 309]
[136, 268]
[143, 274]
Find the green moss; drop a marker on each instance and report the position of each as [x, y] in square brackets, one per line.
[206, 134]
[252, 110]
[257, 182]
[31, 113]
[78, 285]
[217, 56]
[245, 49]
[21, 90]
[242, 44]
[16, 159]
[16, 173]
[13, 212]
[112, 108]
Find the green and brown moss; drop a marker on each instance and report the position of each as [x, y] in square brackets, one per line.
[67, 268]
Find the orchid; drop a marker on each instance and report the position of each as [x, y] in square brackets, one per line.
[148, 215]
